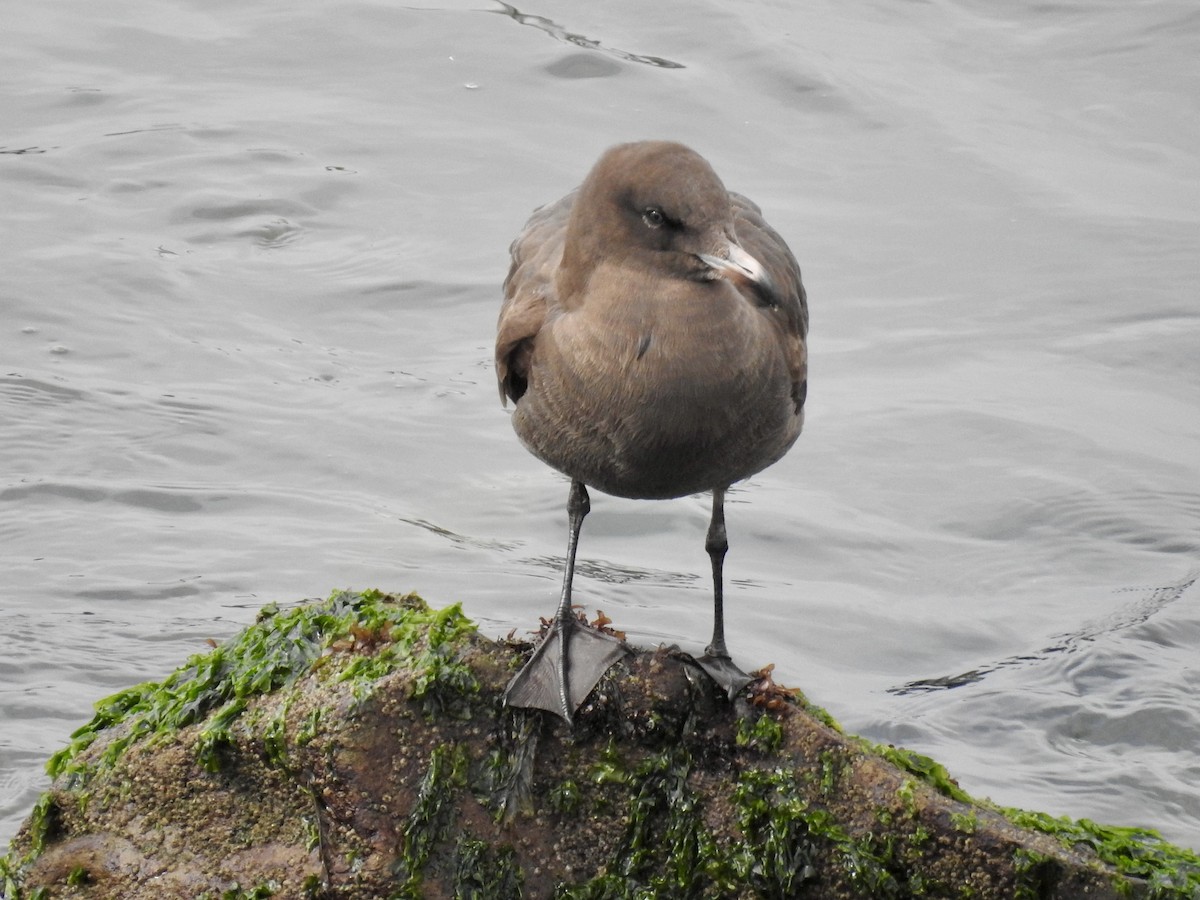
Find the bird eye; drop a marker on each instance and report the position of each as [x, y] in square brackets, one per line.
[653, 217]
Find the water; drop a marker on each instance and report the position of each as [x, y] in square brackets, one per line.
[248, 283]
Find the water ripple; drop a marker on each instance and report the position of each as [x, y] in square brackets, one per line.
[559, 33]
[1128, 616]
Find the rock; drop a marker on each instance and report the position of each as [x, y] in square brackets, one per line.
[358, 748]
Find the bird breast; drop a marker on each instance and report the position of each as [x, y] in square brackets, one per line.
[659, 396]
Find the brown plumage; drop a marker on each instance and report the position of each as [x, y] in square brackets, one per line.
[653, 339]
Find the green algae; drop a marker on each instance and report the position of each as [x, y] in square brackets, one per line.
[610, 766]
[967, 823]
[216, 737]
[781, 840]
[786, 836]
[431, 818]
[929, 771]
[665, 850]
[274, 738]
[485, 872]
[503, 783]
[1169, 871]
[351, 637]
[10, 883]
[821, 715]
[1035, 873]
[764, 734]
[43, 824]
[778, 853]
[785, 841]
[306, 733]
[387, 632]
[480, 870]
[833, 765]
[564, 798]
[258, 892]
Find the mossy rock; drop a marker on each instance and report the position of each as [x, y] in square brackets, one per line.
[359, 748]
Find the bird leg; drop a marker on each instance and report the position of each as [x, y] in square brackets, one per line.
[716, 661]
[572, 656]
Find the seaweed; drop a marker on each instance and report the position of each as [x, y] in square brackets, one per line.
[1169, 871]
[371, 634]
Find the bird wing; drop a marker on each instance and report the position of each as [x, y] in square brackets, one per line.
[529, 294]
[762, 242]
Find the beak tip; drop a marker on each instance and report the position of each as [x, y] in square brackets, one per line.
[734, 263]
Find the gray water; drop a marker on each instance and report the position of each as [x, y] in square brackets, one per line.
[249, 274]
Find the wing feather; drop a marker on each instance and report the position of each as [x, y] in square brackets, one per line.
[530, 296]
[762, 242]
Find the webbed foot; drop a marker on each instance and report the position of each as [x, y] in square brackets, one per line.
[720, 668]
[559, 681]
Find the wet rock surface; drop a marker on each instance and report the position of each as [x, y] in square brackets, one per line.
[359, 748]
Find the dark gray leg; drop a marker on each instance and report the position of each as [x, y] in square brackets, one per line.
[572, 656]
[716, 661]
[717, 544]
[579, 504]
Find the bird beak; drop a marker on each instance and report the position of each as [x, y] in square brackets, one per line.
[735, 264]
